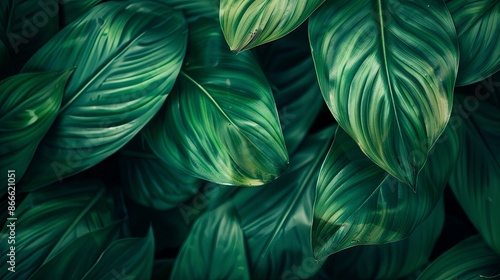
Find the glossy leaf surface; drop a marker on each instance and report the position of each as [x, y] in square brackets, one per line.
[73, 9]
[470, 259]
[220, 122]
[214, 249]
[249, 23]
[127, 57]
[478, 30]
[387, 69]
[358, 203]
[29, 104]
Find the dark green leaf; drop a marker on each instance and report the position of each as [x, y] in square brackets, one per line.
[127, 57]
[249, 23]
[387, 70]
[287, 64]
[73, 9]
[49, 220]
[478, 30]
[162, 269]
[220, 122]
[128, 258]
[195, 9]
[29, 104]
[389, 261]
[215, 248]
[476, 179]
[358, 203]
[25, 26]
[151, 182]
[470, 259]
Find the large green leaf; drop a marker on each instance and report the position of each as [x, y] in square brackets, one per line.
[151, 182]
[29, 106]
[215, 248]
[220, 122]
[25, 26]
[278, 230]
[470, 259]
[287, 64]
[358, 203]
[387, 70]
[127, 57]
[194, 9]
[73, 9]
[478, 30]
[249, 23]
[476, 179]
[49, 220]
[128, 258]
[389, 261]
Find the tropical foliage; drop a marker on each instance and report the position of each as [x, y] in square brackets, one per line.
[250, 139]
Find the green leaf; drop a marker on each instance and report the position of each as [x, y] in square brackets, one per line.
[387, 70]
[194, 9]
[128, 258]
[478, 30]
[50, 220]
[358, 203]
[215, 248]
[470, 259]
[287, 64]
[476, 179]
[76, 259]
[151, 182]
[125, 67]
[29, 105]
[389, 261]
[25, 26]
[278, 231]
[249, 23]
[220, 122]
[73, 9]
[162, 269]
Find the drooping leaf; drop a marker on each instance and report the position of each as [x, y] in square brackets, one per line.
[358, 203]
[278, 231]
[29, 104]
[77, 258]
[215, 249]
[195, 9]
[287, 64]
[478, 30]
[249, 23]
[220, 122]
[49, 220]
[25, 26]
[151, 182]
[127, 57]
[73, 9]
[389, 261]
[387, 70]
[476, 179]
[470, 259]
[128, 258]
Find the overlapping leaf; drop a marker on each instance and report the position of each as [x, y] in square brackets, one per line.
[220, 122]
[215, 249]
[73, 9]
[287, 64]
[389, 261]
[476, 179]
[278, 231]
[249, 23]
[358, 203]
[151, 182]
[48, 221]
[127, 57]
[478, 30]
[387, 71]
[25, 26]
[29, 104]
[470, 259]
